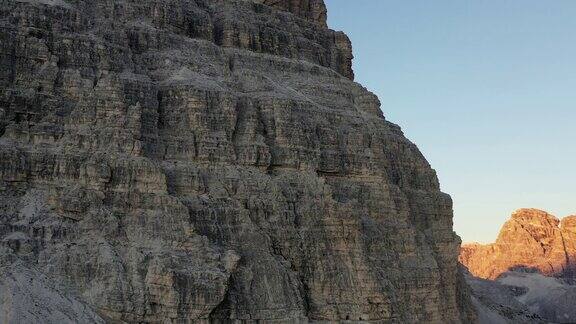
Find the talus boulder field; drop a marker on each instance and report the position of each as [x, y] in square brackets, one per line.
[532, 240]
[176, 161]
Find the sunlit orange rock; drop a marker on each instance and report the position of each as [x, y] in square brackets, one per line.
[532, 240]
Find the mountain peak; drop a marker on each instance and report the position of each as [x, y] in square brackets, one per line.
[531, 239]
[568, 223]
[535, 216]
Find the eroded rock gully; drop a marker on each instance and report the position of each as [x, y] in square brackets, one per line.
[184, 160]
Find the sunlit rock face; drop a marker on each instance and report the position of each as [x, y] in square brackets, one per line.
[532, 240]
[181, 160]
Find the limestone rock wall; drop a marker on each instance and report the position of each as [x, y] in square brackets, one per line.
[314, 10]
[531, 240]
[184, 160]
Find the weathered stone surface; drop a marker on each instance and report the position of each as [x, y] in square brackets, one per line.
[29, 297]
[314, 10]
[499, 303]
[183, 160]
[531, 240]
[530, 270]
[523, 297]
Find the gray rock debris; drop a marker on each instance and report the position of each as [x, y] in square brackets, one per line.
[27, 296]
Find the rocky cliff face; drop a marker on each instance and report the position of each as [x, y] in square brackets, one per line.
[314, 10]
[182, 160]
[531, 240]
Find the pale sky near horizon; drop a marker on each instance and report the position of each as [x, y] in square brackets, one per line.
[485, 88]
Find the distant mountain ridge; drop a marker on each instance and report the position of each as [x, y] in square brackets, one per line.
[527, 275]
[532, 240]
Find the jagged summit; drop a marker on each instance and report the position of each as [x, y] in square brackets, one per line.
[530, 270]
[532, 240]
[535, 216]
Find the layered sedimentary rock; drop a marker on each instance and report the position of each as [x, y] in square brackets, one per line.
[184, 160]
[532, 240]
[314, 10]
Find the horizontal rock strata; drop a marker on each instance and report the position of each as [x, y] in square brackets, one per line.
[182, 160]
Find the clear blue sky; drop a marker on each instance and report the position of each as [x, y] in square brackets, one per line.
[485, 88]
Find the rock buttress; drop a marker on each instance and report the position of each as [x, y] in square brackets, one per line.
[184, 160]
[532, 240]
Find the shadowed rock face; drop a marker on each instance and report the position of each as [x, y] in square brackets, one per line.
[183, 160]
[532, 240]
[27, 296]
[522, 297]
[499, 303]
[314, 10]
